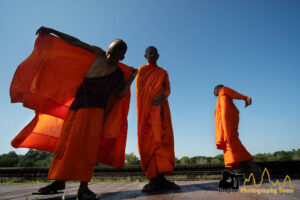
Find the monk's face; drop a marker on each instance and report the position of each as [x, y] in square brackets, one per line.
[216, 92]
[217, 89]
[152, 55]
[114, 54]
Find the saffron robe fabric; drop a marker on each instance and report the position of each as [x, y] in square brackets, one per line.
[77, 148]
[226, 129]
[47, 82]
[155, 133]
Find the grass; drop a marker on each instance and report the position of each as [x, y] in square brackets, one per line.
[13, 181]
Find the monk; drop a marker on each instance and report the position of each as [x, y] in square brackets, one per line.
[77, 148]
[227, 139]
[155, 133]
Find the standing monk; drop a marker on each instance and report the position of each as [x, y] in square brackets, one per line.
[226, 130]
[78, 145]
[155, 133]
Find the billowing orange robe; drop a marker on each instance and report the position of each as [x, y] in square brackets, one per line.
[47, 82]
[155, 133]
[226, 129]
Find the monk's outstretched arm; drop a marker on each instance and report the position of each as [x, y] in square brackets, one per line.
[128, 84]
[235, 95]
[71, 40]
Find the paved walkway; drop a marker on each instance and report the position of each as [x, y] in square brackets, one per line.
[189, 190]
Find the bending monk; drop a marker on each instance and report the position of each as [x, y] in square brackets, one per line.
[226, 130]
[77, 148]
[155, 133]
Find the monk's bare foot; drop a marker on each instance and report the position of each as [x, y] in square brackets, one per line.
[52, 188]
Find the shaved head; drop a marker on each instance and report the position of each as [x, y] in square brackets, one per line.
[217, 89]
[151, 54]
[116, 51]
[153, 48]
[119, 45]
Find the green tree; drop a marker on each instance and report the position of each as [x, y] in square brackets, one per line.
[131, 159]
[44, 162]
[24, 162]
[9, 160]
[177, 161]
[283, 155]
[199, 160]
[296, 154]
[35, 158]
[217, 159]
[185, 160]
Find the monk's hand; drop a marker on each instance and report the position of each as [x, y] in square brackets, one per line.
[158, 99]
[43, 31]
[248, 102]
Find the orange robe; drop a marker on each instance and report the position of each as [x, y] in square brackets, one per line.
[47, 82]
[226, 129]
[155, 133]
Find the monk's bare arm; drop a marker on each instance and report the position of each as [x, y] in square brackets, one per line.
[71, 40]
[128, 84]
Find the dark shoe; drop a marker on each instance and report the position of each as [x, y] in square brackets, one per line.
[86, 194]
[171, 186]
[53, 188]
[152, 187]
[168, 185]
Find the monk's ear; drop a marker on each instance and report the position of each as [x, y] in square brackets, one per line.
[146, 56]
[157, 56]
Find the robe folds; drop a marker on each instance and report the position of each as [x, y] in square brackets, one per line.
[46, 82]
[226, 129]
[155, 132]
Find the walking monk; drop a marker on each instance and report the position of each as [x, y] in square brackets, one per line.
[226, 130]
[155, 133]
[81, 99]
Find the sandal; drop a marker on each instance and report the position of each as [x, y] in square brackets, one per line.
[151, 187]
[171, 186]
[52, 188]
[86, 194]
[168, 185]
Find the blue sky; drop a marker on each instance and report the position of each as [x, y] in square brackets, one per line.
[250, 46]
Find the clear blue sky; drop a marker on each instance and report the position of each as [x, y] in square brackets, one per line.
[251, 46]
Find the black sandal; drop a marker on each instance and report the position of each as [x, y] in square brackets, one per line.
[171, 186]
[86, 194]
[168, 185]
[152, 187]
[52, 188]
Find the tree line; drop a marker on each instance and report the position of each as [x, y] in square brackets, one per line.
[35, 158]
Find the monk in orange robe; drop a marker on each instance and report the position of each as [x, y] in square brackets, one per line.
[83, 128]
[226, 130]
[155, 133]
